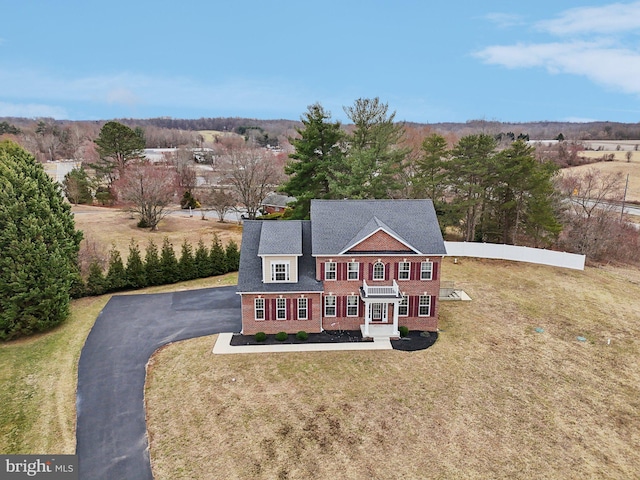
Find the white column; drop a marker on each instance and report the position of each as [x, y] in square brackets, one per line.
[395, 318]
[367, 314]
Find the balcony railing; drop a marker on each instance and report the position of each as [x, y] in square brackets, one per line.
[381, 291]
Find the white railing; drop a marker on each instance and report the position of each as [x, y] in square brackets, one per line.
[382, 291]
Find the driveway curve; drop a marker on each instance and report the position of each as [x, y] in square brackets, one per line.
[111, 432]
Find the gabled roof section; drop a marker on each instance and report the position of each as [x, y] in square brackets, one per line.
[280, 238]
[338, 225]
[372, 227]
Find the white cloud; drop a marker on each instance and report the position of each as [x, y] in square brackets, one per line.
[32, 110]
[615, 18]
[505, 20]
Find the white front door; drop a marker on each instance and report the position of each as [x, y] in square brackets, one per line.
[379, 312]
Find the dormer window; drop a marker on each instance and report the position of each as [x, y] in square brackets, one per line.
[280, 271]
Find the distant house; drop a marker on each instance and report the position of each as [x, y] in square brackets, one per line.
[371, 265]
[276, 203]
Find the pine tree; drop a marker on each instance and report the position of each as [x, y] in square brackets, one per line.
[39, 245]
[152, 267]
[135, 271]
[116, 276]
[217, 257]
[96, 283]
[169, 263]
[186, 265]
[233, 256]
[204, 268]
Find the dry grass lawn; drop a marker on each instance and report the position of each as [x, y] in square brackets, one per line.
[112, 226]
[491, 399]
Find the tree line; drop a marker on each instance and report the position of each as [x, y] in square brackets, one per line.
[158, 266]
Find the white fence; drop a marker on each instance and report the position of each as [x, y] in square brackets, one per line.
[518, 254]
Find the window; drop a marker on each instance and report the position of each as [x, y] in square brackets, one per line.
[280, 272]
[302, 309]
[352, 306]
[403, 307]
[353, 269]
[426, 270]
[330, 306]
[378, 271]
[424, 307]
[330, 270]
[258, 307]
[404, 270]
[281, 309]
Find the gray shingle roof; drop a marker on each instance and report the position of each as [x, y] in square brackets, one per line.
[250, 275]
[339, 224]
[280, 238]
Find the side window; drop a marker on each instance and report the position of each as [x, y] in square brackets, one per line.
[424, 307]
[404, 271]
[302, 309]
[281, 308]
[330, 270]
[426, 270]
[330, 306]
[353, 270]
[403, 307]
[259, 308]
[352, 306]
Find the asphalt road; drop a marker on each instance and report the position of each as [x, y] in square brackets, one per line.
[111, 428]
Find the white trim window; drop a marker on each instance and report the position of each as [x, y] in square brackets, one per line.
[330, 270]
[352, 306]
[426, 270]
[281, 308]
[258, 309]
[280, 272]
[353, 271]
[329, 306]
[303, 306]
[424, 306]
[404, 270]
[403, 307]
[378, 271]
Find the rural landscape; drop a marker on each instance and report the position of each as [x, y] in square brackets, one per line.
[536, 377]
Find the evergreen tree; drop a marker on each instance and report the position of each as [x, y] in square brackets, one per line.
[96, 282]
[218, 257]
[152, 267]
[169, 263]
[76, 186]
[233, 256]
[117, 146]
[430, 177]
[204, 268]
[318, 153]
[39, 246]
[116, 276]
[135, 271]
[186, 265]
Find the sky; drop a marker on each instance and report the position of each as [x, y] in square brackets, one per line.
[431, 62]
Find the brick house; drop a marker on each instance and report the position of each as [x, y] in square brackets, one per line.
[371, 265]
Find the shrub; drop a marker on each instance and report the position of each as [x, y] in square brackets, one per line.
[404, 331]
[260, 336]
[302, 335]
[281, 336]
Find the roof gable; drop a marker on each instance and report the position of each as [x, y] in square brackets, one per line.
[380, 241]
[339, 225]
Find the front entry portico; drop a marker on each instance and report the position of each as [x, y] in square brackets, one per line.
[377, 300]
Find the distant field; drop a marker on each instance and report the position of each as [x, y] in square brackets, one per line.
[619, 165]
[491, 399]
[108, 226]
[210, 135]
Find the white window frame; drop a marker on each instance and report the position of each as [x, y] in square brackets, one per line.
[404, 273]
[302, 301]
[424, 302]
[330, 270]
[281, 308]
[426, 270]
[378, 270]
[257, 309]
[274, 272]
[330, 303]
[356, 271]
[352, 305]
[403, 305]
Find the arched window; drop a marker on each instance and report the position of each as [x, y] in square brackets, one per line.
[378, 271]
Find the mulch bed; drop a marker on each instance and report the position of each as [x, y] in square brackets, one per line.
[414, 341]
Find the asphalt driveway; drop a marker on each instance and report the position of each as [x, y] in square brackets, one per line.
[111, 429]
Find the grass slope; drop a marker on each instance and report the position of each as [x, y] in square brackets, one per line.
[491, 399]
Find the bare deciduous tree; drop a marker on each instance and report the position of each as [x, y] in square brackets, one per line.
[252, 173]
[149, 190]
